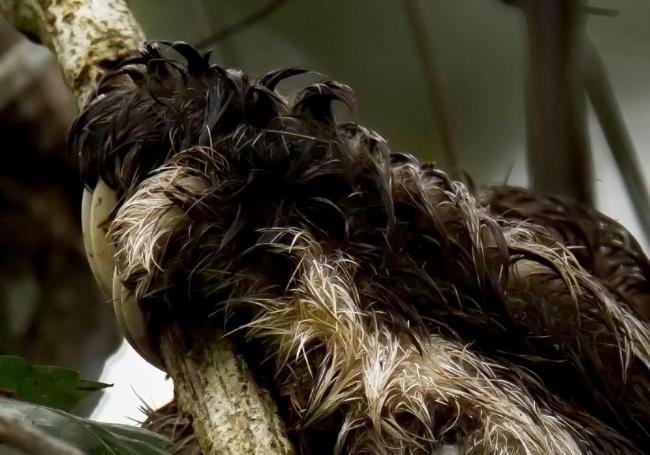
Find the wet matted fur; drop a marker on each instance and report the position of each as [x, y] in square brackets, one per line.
[394, 312]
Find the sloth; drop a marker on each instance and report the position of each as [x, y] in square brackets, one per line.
[396, 310]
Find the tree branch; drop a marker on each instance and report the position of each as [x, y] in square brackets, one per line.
[231, 413]
[87, 34]
[19, 67]
[229, 30]
[620, 143]
[437, 96]
[559, 159]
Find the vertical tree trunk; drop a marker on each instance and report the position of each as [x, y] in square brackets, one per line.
[559, 159]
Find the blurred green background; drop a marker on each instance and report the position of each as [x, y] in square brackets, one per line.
[479, 47]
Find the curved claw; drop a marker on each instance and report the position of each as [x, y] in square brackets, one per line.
[86, 204]
[131, 323]
[103, 203]
[96, 207]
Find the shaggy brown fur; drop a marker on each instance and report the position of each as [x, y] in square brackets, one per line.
[394, 312]
[601, 245]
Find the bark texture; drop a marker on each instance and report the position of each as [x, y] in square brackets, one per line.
[232, 414]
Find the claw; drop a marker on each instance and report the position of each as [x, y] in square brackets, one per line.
[86, 203]
[102, 251]
[131, 323]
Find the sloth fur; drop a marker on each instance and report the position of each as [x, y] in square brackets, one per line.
[394, 312]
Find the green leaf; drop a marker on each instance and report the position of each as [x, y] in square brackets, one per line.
[94, 438]
[50, 386]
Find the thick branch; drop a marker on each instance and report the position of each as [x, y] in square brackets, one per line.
[232, 414]
[87, 34]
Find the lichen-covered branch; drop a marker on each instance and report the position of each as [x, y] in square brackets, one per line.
[231, 413]
[85, 35]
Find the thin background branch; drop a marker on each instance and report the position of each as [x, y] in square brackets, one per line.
[19, 67]
[603, 100]
[201, 16]
[206, 28]
[600, 11]
[229, 30]
[435, 86]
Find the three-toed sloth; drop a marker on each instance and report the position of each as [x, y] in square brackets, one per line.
[395, 310]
